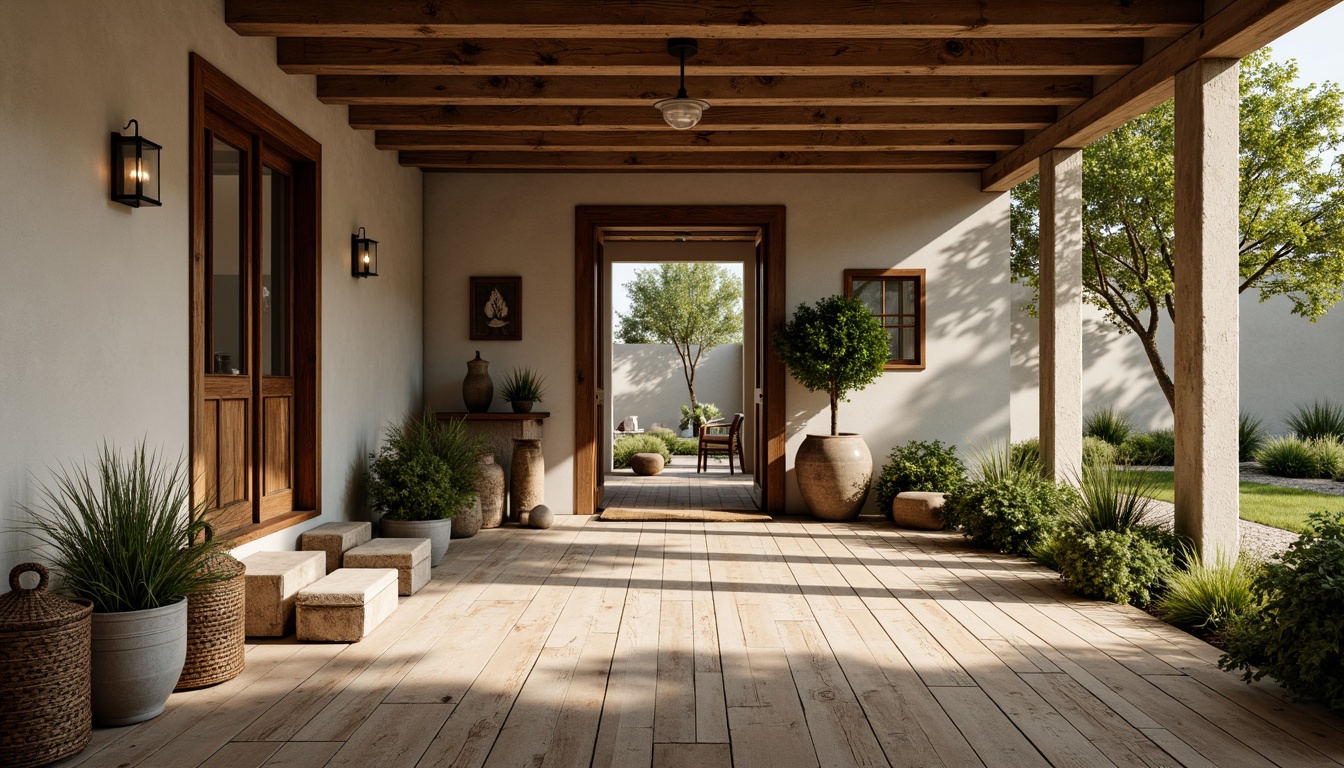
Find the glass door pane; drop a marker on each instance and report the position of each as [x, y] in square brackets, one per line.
[228, 303]
[275, 304]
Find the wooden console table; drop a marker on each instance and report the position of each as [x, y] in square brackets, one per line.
[499, 430]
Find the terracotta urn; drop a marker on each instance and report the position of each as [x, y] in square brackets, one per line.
[478, 391]
[490, 488]
[834, 473]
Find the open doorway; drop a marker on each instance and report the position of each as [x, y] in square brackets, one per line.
[607, 235]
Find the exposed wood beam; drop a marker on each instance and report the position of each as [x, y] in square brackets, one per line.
[657, 18]
[668, 140]
[719, 118]
[1238, 30]
[720, 91]
[519, 56]
[701, 161]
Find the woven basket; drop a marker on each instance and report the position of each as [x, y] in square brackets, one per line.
[216, 628]
[45, 707]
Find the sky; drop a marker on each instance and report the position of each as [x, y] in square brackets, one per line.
[1318, 47]
[622, 273]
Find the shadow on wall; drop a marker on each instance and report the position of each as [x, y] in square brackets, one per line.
[648, 382]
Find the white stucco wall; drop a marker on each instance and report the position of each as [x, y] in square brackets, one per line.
[647, 381]
[480, 223]
[94, 295]
[1285, 360]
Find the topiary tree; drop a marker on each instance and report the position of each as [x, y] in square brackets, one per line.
[837, 346]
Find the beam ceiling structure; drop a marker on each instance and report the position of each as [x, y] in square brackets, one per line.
[797, 85]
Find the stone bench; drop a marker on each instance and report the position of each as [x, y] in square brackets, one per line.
[409, 556]
[346, 605]
[272, 581]
[921, 510]
[335, 539]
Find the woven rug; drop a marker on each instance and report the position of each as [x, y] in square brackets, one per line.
[628, 515]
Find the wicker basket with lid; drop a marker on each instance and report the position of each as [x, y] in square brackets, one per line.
[45, 709]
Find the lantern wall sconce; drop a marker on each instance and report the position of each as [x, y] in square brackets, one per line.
[363, 255]
[135, 169]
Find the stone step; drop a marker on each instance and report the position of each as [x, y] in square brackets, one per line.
[272, 581]
[409, 556]
[335, 539]
[346, 605]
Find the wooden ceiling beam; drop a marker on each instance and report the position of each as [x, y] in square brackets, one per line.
[519, 56]
[719, 118]
[698, 161]
[719, 91]
[665, 139]
[1241, 28]
[659, 19]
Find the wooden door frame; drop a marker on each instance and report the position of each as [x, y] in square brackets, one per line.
[589, 223]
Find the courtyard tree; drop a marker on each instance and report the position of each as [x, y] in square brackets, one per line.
[1291, 211]
[694, 306]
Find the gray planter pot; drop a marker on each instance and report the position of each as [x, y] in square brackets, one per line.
[833, 474]
[137, 659]
[439, 532]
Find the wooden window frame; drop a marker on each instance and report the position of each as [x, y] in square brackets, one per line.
[921, 321]
[214, 91]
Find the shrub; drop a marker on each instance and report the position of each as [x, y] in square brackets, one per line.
[1288, 457]
[919, 466]
[1208, 596]
[1026, 453]
[1155, 448]
[1098, 452]
[1007, 507]
[1329, 453]
[1322, 418]
[629, 445]
[424, 470]
[676, 445]
[1109, 425]
[837, 347]
[692, 419]
[1250, 436]
[1295, 637]
[1121, 566]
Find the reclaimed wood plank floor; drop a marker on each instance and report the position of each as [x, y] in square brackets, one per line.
[792, 643]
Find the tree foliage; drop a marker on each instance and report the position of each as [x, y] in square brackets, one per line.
[692, 306]
[1291, 212]
[835, 347]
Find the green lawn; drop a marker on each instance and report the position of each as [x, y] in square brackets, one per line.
[1285, 508]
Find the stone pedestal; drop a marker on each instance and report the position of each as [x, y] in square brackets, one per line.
[527, 488]
[272, 581]
[335, 539]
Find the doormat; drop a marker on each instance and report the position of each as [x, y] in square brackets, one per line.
[628, 515]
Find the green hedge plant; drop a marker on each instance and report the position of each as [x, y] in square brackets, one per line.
[1322, 418]
[919, 466]
[1157, 448]
[676, 445]
[424, 470]
[1291, 456]
[1007, 506]
[1297, 637]
[626, 447]
[1095, 451]
[1209, 595]
[1108, 424]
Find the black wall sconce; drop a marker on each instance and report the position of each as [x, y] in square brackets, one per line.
[363, 255]
[135, 169]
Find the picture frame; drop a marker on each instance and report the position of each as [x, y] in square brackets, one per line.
[496, 307]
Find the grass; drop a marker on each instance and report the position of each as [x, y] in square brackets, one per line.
[1285, 508]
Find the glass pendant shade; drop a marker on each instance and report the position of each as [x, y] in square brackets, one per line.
[682, 112]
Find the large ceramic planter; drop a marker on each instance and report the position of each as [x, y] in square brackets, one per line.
[467, 523]
[834, 472]
[439, 532]
[137, 660]
[490, 490]
[527, 486]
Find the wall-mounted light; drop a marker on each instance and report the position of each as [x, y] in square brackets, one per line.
[135, 169]
[363, 255]
[681, 111]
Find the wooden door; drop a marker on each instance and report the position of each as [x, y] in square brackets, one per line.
[757, 405]
[603, 426]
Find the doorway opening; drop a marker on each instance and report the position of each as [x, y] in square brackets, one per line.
[607, 238]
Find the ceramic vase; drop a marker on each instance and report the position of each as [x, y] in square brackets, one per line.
[490, 489]
[478, 391]
[527, 488]
[137, 659]
[468, 522]
[833, 474]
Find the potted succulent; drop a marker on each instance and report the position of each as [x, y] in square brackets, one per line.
[836, 347]
[123, 535]
[522, 387]
[423, 475]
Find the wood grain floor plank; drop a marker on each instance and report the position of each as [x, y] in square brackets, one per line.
[393, 735]
[304, 754]
[242, 754]
[692, 756]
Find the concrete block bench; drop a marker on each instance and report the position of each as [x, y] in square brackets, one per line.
[409, 556]
[272, 581]
[335, 539]
[921, 510]
[346, 605]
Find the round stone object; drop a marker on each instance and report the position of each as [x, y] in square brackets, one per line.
[647, 463]
[541, 516]
[921, 510]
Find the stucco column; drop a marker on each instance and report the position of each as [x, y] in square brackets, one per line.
[1207, 278]
[1061, 313]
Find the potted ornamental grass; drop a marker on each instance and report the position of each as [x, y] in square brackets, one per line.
[837, 346]
[123, 535]
[521, 388]
[422, 477]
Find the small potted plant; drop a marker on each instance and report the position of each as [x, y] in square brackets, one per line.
[522, 387]
[836, 347]
[422, 477]
[123, 535]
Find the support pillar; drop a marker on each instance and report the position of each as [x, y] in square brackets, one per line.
[1206, 282]
[1061, 313]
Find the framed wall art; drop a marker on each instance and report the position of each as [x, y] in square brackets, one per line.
[496, 308]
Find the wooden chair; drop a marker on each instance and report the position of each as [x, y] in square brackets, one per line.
[714, 440]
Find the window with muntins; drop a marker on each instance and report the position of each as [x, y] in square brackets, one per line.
[896, 297]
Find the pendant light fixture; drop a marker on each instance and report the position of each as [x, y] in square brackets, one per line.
[682, 112]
